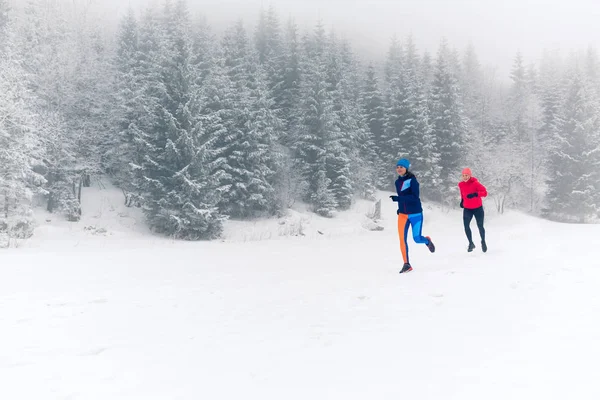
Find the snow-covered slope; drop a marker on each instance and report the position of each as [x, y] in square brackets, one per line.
[122, 314]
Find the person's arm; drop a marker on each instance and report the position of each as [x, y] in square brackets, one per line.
[415, 187]
[395, 198]
[481, 190]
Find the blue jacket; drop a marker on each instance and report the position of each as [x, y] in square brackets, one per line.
[408, 199]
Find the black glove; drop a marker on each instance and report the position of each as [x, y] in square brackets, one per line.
[471, 195]
[394, 198]
[461, 203]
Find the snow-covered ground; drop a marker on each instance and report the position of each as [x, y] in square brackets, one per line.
[102, 310]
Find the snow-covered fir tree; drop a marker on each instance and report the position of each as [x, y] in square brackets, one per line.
[127, 110]
[318, 141]
[471, 82]
[427, 71]
[523, 112]
[196, 126]
[270, 51]
[418, 142]
[396, 110]
[448, 124]
[361, 149]
[87, 104]
[339, 68]
[551, 95]
[592, 69]
[20, 150]
[176, 179]
[373, 109]
[479, 90]
[249, 144]
[49, 48]
[288, 95]
[575, 158]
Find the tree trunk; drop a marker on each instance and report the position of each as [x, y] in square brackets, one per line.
[87, 180]
[6, 206]
[377, 214]
[51, 202]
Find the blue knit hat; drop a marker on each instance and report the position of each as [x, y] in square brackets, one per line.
[403, 162]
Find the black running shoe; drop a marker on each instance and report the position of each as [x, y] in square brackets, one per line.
[406, 268]
[471, 247]
[483, 246]
[430, 245]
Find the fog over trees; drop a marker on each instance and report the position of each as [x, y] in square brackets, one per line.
[198, 123]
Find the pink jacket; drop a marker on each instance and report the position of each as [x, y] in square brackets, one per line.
[472, 186]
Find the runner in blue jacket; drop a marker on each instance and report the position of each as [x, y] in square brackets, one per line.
[410, 211]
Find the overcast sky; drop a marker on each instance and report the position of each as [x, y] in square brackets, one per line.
[497, 28]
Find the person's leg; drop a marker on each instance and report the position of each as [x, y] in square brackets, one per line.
[416, 220]
[479, 217]
[403, 224]
[467, 217]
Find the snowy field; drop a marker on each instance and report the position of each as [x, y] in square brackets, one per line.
[101, 310]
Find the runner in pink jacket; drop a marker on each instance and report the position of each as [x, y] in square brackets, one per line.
[471, 192]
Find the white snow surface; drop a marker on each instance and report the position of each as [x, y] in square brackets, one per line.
[102, 309]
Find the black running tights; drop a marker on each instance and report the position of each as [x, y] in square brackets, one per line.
[468, 215]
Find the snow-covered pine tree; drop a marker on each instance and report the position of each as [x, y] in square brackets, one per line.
[48, 47]
[176, 176]
[592, 69]
[393, 61]
[471, 82]
[426, 71]
[361, 149]
[317, 139]
[551, 97]
[136, 108]
[322, 198]
[288, 94]
[19, 140]
[408, 128]
[575, 158]
[340, 68]
[87, 105]
[524, 122]
[397, 111]
[287, 98]
[419, 142]
[448, 124]
[373, 109]
[477, 89]
[500, 180]
[127, 110]
[519, 96]
[251, 127]
[270, 51]
[66, 54]
[156, 134]
[490, 149]
[204, 52]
